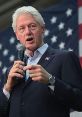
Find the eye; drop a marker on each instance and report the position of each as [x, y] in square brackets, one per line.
[21, 29]
[33, 26]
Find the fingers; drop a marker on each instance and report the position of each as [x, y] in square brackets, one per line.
[17, 69]
[15, 72]
[18, 63]
[34, 70]
[15, 75]
[37, 73]
[31, 67]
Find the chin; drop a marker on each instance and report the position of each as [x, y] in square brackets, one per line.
[30, 48]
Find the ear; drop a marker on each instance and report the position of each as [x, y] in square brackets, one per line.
[16, 35]
[43, 29]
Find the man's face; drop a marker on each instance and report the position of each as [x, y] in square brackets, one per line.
[29, 32]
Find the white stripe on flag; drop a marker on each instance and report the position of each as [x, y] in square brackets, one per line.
[80, 15]
[80, 47]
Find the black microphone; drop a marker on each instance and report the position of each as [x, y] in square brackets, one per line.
[21, 50]
[21, 55]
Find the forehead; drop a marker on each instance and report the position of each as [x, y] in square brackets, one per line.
[25, 17]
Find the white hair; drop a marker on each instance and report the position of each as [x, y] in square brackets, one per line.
[27, 9]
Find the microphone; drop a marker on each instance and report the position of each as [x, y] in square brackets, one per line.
[22, 56]
[21, 50]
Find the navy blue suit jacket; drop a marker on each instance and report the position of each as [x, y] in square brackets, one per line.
[34, 99]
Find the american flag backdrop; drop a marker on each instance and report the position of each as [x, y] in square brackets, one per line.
[80, 28]
[63, 31]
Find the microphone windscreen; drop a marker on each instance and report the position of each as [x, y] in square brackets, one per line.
[21, 50]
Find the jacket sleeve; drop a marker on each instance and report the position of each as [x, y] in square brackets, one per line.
[4, 102]
[4, 105]
[68, 88]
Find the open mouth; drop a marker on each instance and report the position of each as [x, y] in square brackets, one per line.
[30, 38]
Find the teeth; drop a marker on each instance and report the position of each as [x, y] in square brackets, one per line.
[29, 38]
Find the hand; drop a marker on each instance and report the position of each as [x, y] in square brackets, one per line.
[38, 73]
[15, 72]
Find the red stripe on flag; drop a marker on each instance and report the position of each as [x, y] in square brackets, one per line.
[80, 31]
[81, 61]
[79, 3]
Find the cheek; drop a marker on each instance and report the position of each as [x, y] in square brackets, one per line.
[38, 34]
[20, 38]
[38, 37]
[38, 41]
[19, 35]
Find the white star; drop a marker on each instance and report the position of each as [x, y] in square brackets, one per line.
[61, 25]
[5, 52]
[70, 49]
[0, 46]
[46, 33]
[62, 45]
[53, 20]
[69, 12]
[69, 32]
[18, 45]
[4, 70]
[11, 58]
[54, 39]
[0, 63]
[12, 40]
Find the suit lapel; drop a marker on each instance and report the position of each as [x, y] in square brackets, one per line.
[45, 60]
[47, 57]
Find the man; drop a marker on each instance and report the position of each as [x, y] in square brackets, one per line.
[52, 84]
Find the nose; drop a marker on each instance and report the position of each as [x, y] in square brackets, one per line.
[27, 30]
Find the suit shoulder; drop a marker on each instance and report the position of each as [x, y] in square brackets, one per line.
[64, 54]
[61, 52]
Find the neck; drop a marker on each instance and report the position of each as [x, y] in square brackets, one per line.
[31, 52]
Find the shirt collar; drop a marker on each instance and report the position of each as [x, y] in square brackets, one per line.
[41, 49]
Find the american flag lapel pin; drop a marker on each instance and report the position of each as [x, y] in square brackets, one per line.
[47, 58]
